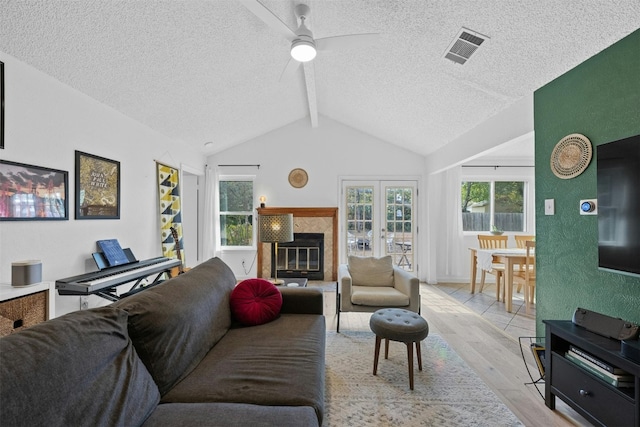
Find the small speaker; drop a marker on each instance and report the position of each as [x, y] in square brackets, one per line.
[604, 325]
[25, 273]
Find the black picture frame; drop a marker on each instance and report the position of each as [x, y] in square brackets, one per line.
[33, 193]
[97, 192]
[1, 105]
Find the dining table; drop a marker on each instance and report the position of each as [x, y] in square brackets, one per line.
[510, 257]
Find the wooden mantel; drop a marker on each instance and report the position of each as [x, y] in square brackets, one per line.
[308, 213]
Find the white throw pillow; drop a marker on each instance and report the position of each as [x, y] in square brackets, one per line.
[370, 271]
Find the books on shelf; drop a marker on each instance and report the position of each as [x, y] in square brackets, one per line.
[591, 358]
[616, 380]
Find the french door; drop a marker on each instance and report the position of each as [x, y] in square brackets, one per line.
[378, 219]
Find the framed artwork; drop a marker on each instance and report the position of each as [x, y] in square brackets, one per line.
[1, 104]
[97, 187]
[32, 192]
[170, 208]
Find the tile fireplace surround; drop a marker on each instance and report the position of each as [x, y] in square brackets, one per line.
[306, 220]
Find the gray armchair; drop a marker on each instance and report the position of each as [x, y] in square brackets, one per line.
[367, 284]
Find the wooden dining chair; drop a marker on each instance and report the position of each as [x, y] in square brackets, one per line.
[522, 238]
[527, 277]
[520, 244]
[497, 269]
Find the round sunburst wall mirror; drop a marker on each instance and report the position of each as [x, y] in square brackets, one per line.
[571, 156]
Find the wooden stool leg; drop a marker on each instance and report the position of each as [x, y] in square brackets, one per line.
[376, 354]
[386, 348]
[410, 357]
[419, 354]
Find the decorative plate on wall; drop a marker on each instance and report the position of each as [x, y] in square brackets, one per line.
[571, 156]
[298, 178]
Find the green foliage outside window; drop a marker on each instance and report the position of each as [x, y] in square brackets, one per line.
[488, 205]
[236, 213]
[474, 192]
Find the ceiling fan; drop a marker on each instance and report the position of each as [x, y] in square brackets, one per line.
[304, 46]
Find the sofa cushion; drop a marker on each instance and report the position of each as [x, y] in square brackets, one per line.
[302, 300]
[174, 324]
[231, 415]
[280, 363]
[371, 271]
[255, 301]
[77, 369]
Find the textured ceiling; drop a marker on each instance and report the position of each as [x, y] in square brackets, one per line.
[201, 71]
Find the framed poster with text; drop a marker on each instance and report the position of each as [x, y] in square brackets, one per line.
[97, 187]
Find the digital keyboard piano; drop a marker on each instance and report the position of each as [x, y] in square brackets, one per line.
[104, 282]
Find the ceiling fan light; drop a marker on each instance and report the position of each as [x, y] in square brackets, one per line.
[303, 50]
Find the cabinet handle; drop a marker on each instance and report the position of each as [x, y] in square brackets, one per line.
[584, 393]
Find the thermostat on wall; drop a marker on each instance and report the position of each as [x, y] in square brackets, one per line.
[588, 207]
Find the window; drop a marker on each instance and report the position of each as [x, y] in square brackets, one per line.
[236, 212]
[493, 204]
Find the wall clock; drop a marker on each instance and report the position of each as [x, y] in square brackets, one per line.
[571, 156]
[298, 178]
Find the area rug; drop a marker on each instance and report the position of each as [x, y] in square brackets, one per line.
[447, 392]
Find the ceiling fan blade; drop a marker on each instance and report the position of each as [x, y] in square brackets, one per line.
[269, 18]
[291, 68]
[347, 41]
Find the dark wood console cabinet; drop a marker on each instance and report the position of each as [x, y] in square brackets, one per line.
[597, 401]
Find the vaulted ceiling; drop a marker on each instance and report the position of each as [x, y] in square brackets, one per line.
[200, 71]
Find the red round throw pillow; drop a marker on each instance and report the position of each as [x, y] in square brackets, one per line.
[255, 301]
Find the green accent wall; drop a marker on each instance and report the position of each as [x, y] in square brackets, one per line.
[600, 99]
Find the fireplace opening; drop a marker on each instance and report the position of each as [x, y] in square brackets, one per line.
[304, 257]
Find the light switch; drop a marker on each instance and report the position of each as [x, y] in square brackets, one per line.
[549, 207]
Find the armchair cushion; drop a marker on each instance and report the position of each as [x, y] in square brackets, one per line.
[370, 271]
[380, 296]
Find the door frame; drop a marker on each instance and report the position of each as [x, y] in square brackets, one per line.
[367, 180]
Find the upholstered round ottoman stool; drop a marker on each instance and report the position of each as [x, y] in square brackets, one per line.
[405, 326]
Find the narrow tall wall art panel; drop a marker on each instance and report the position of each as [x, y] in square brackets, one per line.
[170, 204]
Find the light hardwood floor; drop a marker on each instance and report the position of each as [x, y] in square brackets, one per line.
[489, 349]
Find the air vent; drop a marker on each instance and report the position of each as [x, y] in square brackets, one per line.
[464, 45]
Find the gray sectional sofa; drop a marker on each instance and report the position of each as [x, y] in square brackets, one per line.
[169, 356]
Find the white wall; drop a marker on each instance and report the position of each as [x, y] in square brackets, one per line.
[447, 254]
[190, 189]
[511, 124]
[452, 265]
[334, 151]
[45, 121]
[328, 153]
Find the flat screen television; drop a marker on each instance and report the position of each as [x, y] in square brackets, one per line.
[619, 205]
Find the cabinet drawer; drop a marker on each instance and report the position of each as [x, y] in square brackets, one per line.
[22, 312]
[602, 401]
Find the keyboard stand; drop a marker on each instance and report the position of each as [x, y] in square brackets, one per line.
[111, 294]
[105, 283]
